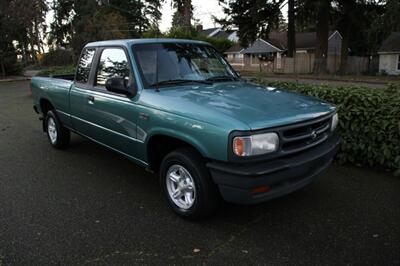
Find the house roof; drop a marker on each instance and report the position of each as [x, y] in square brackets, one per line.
[218, 33]
[304, 40]
[260, 46]
[207, 32]
[391, 44]
[223, 34]
[277, 42]
[236, 48]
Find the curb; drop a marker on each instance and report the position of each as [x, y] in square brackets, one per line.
[15, 79]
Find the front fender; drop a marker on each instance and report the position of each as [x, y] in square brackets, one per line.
[190, 139]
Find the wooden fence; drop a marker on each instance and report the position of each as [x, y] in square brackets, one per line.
[303, 63]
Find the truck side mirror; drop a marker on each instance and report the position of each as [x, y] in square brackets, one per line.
[120, 85]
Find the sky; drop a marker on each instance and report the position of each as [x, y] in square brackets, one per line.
[203, 10]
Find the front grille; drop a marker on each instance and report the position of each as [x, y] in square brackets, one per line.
[302, 136]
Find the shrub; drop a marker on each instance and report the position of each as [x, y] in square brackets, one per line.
[220, 44]
[8, 60]
[58, 57]
[369, 121]
[57, 70]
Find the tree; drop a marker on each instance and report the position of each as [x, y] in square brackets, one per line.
[254, 19]
[22, 26]
[315, 15]
[384, 18]
[291, 33]
[7, 50]
[321, 52]
[79, 22]
[182, 17]
[363, 26]
[392, 16]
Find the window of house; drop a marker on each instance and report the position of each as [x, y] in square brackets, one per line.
[84, 65]
[113, 63]
[238, 56]
[254, 60]
[398, 62]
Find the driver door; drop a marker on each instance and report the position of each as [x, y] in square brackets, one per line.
[112, 116]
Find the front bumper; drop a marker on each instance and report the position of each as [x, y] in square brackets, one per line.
[282, 175]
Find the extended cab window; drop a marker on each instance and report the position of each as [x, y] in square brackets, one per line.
[84, 65]
[113, 63]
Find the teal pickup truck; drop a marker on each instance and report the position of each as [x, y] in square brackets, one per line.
[177, 108]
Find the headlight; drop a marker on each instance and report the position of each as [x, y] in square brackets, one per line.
[255, 144]
[335, 121]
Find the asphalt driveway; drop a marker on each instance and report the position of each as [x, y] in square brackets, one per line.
[88, 205]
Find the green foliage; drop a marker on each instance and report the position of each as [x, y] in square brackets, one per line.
[220, 44]
[57, 58]
[152, 32]
[21, 24]
[254, 19]
[57, 70]
[181, 33]
[369, 121]
[183, 15]
[78, 22]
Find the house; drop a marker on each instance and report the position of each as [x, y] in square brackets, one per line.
[234, 55]
[389, 55]
[218, 33]
[270, 53]
[276, 46]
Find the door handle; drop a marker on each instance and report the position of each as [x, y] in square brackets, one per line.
[90, 99]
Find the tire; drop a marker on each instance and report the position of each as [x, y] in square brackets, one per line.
[59, 136]
[198, 197]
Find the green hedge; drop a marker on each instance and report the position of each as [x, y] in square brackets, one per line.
[57, 70]
[369, 121]
[58, 58]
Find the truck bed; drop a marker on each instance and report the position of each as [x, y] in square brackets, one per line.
[64, 76]
[54, 89]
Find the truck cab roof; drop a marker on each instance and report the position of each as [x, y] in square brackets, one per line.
[129, 42]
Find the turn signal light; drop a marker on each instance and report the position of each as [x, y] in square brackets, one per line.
[238, 146]
[259, 190]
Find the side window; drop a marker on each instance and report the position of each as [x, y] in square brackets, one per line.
[84, 65]
[113, 63]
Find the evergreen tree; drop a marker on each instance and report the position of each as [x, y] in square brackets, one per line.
[79, 22]
[254, 19]
[183, 15]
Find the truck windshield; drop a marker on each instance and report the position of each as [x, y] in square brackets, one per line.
[181, 63]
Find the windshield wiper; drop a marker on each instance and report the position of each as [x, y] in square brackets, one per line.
[179, 81]
[222, 78]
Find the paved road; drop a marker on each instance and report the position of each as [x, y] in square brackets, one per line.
[88, 205]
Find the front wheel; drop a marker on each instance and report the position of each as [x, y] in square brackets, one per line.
[59, 136]
[187, 185]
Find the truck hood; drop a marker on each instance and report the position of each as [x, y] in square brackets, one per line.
[238, 104]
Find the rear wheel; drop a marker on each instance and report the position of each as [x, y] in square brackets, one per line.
[187, 185]
[59, 136]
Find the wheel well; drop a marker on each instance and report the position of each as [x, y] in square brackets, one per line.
[160, 145]
[45, 106]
